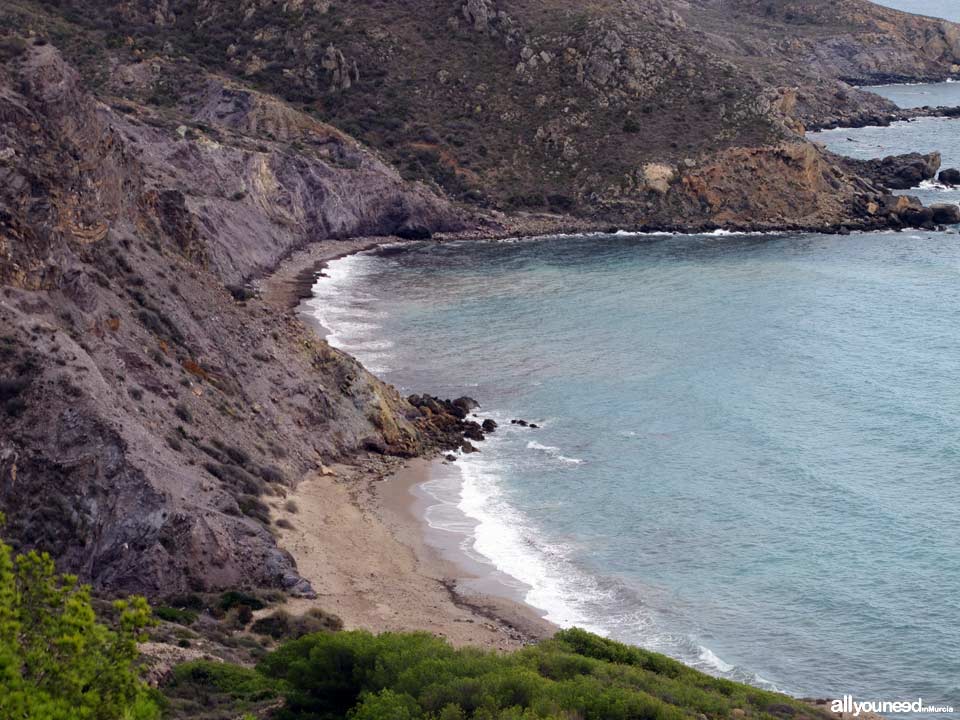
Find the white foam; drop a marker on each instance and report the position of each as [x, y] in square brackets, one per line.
[505, 537]
[553, 452]
[710, 660]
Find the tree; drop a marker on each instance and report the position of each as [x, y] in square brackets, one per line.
[56, 661]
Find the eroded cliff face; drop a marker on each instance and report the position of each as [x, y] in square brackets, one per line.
[145, 414]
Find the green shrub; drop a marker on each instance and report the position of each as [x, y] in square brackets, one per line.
[234, 598]
[56, 661]
[576, 674]
[211, 690]
[175, 615]
[283, 625]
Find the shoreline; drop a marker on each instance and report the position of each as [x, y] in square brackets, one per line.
[358, 539]
[360, 535]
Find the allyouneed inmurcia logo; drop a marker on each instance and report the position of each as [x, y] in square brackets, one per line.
[847, 704]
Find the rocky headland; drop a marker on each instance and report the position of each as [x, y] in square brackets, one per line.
[160, 158]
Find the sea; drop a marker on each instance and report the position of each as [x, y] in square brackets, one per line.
[748, 445]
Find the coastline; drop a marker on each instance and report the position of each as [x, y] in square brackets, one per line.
[359, 533]
[358, 537]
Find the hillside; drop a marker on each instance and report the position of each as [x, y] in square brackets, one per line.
[631, 112]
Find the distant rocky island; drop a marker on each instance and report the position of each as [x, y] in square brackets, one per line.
[161, 159]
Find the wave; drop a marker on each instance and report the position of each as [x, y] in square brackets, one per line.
[553, 452]
[936, 185]
[498, 534]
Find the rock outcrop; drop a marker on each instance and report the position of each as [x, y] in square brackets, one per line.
[151, 406]
[896, 172]
[147, 416]
[558, 107]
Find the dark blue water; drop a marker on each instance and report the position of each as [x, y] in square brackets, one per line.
[750, 447]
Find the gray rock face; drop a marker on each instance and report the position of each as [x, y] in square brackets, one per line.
[146, 416]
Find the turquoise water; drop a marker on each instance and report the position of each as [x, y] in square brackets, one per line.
[750, 444]
[749, 452]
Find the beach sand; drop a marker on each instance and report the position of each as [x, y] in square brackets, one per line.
[358, 537]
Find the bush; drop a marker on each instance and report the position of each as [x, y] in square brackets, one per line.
[175, 615]
[252, 506]
[574, 675]
[241, 293]
[234, 598]
[56, 661]
[183, 412]
[282, 625]
[204, 689]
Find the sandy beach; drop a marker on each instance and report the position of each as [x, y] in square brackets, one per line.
[359, 535]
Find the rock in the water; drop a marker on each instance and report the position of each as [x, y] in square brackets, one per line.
[946, 213]
[897, 172]
[468, 447]
[473, 431]
[921, 217]
[534, 426]
[489, 425]
[950, 176]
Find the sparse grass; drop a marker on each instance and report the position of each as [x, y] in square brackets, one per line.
[183, 412]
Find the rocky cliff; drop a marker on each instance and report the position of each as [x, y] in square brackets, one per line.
[146, 409]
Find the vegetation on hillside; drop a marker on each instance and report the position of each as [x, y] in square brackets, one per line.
[57, 662]
[416, 676]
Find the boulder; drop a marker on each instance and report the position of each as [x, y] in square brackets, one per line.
[946, 213]
[466, 403]
[473, 431]
[414, 232]
[897, 172]
[950, 176]
[489, 425]
[919, 217]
